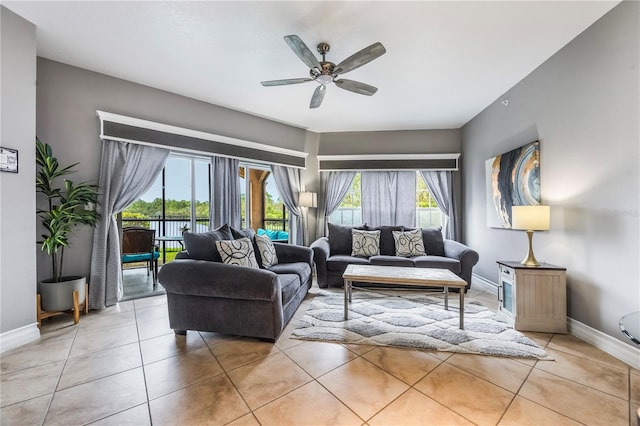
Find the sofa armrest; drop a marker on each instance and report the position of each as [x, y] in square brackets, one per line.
[465, 255]
[183, 255]
[289, 253]
[214, 279]
[456, 250]
[321, 252]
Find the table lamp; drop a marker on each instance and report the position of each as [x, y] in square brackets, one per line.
[530, 218]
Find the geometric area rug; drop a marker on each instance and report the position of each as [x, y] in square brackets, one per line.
[412, 320]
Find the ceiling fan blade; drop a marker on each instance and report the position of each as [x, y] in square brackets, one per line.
[283, 82]
[356, 87]
[302, 51]
[318, 96]
[360, 58]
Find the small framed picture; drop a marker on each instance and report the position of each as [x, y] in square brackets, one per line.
[8, 160]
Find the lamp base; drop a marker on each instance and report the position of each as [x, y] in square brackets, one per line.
[530, 260]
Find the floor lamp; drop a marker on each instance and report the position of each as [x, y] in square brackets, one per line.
[306, 200]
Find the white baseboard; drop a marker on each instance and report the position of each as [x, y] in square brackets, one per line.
[614, 347]
[18, 337]
[477, 280]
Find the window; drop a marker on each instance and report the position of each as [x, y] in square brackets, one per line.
[350, 211]
[263, 206]
[177, 201]
[428, 213]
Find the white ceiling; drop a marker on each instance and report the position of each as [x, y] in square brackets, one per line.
[445, 61]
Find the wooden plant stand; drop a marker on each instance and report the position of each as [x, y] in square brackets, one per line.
[40, 314]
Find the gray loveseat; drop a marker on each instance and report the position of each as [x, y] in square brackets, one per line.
[332, 254]
[205, 294]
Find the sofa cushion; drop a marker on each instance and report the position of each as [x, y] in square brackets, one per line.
[365, 243]
[339, 262]
[267, 251]
[439, 262]
[237, 252]
[433, 241]
[340, 239]
[387, 243]
[242, 233]
[301, 269]
[409, 243]
[384, 260]
[289, 283]
[203, 246]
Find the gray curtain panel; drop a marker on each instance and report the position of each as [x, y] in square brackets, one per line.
[126, 171]
[289, 183]
[225, 192]
[334, 187]
[389, 198]
[440, 184]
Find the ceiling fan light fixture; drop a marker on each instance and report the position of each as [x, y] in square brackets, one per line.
[324, 79]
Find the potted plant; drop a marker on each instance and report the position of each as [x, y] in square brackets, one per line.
[68, 205]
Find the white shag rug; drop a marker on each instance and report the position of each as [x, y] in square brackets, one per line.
[412, 320]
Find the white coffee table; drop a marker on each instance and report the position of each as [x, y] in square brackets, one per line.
[403, 276]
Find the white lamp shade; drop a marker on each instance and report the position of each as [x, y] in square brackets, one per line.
[530, 218]
[308, 199]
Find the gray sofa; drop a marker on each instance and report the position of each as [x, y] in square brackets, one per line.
[205, 294]
[332, 254]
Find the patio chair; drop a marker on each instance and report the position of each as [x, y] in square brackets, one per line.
[138, 246]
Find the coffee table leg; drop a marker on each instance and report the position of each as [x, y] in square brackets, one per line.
[462, 308]
[446, 298]
[347, 298]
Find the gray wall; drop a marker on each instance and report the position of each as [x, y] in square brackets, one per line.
[67, 100]
[583, 106]
[17, 201]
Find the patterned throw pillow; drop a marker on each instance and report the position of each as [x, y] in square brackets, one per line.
[409, 243]
[237, 252]
[267, 251]
[365, 243]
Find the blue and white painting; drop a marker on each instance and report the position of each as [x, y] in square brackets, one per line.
[513, 179]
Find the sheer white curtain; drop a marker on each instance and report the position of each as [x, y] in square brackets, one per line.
[225, 192]
[440, 184]
[127, 171]
[334, 187]
[389, 198]
[289, 183]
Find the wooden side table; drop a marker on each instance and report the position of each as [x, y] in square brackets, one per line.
[534, 297]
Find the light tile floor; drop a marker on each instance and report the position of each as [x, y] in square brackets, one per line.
[124, 366]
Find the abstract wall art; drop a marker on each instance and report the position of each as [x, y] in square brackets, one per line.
[513, 179]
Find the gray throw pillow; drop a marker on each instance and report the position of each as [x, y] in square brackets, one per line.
[409, 243]
[340, 239]
[365, 243]
[433, 241]
[237, 252]
[387, 243]
[203, 246]
[267, 251]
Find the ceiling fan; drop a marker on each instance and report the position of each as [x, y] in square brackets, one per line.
[325, 72]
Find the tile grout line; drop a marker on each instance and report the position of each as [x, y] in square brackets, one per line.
[55, 389]
[144, 373]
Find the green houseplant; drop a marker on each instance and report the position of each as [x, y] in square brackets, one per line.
[66, 208]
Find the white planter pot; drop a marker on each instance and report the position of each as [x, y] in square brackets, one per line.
[59, 296]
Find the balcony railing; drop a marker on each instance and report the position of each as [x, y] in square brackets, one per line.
[276, 224]
[425, 216]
